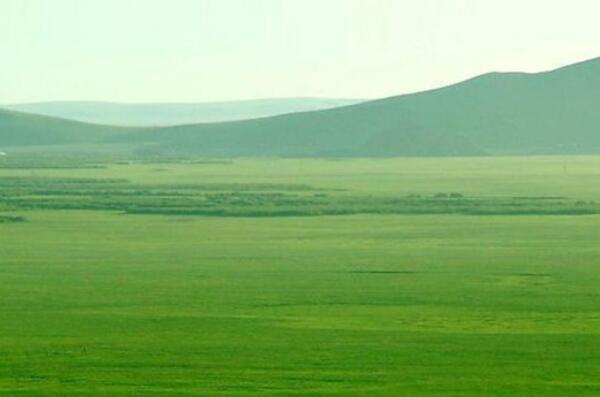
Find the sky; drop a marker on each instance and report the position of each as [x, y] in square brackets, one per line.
[219, 50]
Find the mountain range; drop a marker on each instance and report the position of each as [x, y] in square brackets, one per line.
[554, 112]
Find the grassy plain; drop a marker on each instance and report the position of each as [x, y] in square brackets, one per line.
[103, 303]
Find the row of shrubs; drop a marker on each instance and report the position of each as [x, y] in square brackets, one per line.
[257, 200]
[11, 218]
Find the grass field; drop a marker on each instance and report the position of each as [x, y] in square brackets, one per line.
[105, 302]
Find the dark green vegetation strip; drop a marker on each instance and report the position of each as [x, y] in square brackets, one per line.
[11, 218]
[259, 199]
[92, 160]
[52, 161]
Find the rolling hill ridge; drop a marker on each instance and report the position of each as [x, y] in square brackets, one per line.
[553, 112]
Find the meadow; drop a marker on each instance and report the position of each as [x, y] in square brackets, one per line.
[420, 277]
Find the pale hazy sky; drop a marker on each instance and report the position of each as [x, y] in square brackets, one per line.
[208, 50]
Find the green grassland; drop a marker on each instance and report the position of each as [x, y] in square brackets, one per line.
[394, 277]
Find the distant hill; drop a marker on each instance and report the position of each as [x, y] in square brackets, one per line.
[497, 113]
[554, 112]
[20, 129]
[165, 114]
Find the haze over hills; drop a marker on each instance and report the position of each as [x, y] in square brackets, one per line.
[163, 114]
[553, 112]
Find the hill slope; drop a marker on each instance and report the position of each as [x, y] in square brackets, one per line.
[554, 112]
[551, 112]
[162, 114]
[20, 129]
